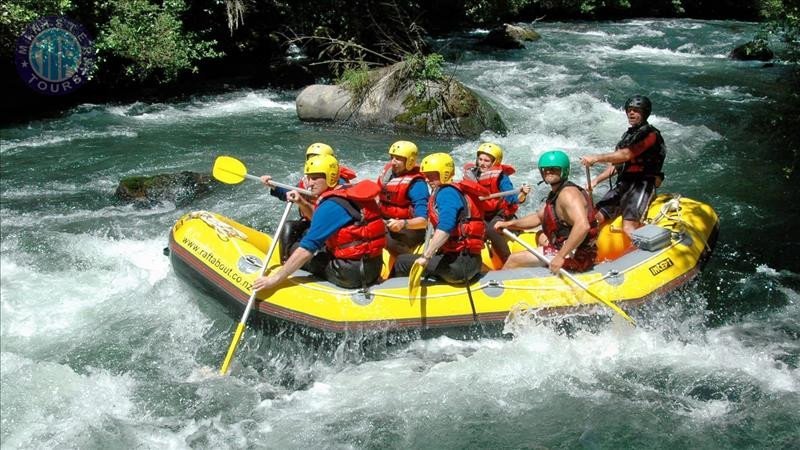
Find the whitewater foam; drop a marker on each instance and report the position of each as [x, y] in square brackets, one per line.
[60, 137]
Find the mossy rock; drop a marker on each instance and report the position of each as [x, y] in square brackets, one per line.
[510, 37]
[752, 51]
[417, 114]
[180, 188]
[448, 107]
[429, 107]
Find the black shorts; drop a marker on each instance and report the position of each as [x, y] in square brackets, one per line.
[629, 198]
[453, 268]
[404, 241]
[346, 273]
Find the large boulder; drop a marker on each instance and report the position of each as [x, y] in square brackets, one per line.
[510, 37]
[435, 107]
[752, 51]
[180, 188]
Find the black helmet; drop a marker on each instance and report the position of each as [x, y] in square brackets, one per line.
[640, 102]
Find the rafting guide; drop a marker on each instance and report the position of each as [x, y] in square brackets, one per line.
[55, 55]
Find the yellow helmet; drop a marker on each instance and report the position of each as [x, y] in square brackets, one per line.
[318, 148]
[407, 150]
[326, 164]
[439, 162]
[492, 150]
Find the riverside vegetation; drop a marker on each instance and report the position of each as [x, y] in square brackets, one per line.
[170, 45]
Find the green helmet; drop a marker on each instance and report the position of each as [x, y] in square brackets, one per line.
[555, 158]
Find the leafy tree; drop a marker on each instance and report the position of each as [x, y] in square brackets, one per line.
[151, 39]
[491, 12]
[782, 24]
[16, 15]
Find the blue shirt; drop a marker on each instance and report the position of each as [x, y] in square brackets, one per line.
[504, 184]
[329, 217]
[449, 205]
[418, 194]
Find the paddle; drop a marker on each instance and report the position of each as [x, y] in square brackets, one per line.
[237, 336]
[230, 170]
[588, 181]
[500, 194]
[415, 274]
[563, 272]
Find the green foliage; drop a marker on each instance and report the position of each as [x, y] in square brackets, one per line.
[419, 68]
[357, 81]
[16, 15]
[151, 37]
[491, 12]
[588, 7]
[782, 23]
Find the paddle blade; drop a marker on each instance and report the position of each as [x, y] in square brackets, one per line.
[415, 281]
[229, 170]
[388, 263]
[237, 336]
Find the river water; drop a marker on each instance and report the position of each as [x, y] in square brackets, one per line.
[104, 347]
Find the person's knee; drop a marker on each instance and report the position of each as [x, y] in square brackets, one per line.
[402, 266]
[514, 260]
[542, 240]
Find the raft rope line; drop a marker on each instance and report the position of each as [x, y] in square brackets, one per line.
[341, 292]
[224, 230]
[667, 209]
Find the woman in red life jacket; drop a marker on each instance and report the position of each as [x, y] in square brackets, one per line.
[453, 253]
[638, 157]
[346, 234]
[490, 172]
[403, 198]
[294, 229]
[567, 220]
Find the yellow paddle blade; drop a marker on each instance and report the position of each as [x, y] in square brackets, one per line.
[415, 281]
[388, 262]
[229, 170]
[237, 336]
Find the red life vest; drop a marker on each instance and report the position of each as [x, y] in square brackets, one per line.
[345, 173]
[557, 230]
[394, 201]
[470, 231]
[649, 163]
[490, 179]
[366, 237]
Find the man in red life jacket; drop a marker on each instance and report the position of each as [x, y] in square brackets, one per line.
[294, 229]
[567, 221]
[403, 198]
[346, 235]
[454, 250]
[490, 172]
[638, 157]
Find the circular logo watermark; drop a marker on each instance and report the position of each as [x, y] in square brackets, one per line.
[54, 55]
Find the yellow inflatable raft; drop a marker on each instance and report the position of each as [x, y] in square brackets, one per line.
[225, 257]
